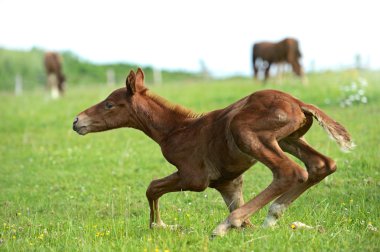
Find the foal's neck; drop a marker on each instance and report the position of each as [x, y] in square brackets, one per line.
[158, 118]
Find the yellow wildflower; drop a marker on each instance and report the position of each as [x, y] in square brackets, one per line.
[293, 226]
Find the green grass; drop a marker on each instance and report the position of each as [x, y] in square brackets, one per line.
[63, 192]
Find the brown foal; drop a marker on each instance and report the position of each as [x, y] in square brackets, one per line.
[214, 149]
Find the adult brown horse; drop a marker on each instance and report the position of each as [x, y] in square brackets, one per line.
[55, 76]
[214, 149]
[287, 50]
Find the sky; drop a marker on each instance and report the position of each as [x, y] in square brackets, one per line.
[179, 34]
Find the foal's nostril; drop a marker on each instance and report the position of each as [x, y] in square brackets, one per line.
[75, 122]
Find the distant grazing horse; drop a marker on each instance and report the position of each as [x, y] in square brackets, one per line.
[214, 149]
[286, 50]
[55, 77]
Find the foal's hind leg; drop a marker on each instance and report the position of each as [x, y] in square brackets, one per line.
[318, 167]
[286, 173]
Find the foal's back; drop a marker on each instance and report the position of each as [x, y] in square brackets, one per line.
[218, 141]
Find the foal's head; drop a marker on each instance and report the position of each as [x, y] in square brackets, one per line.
[116, 111]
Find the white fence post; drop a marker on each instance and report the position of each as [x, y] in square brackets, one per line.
[110, 77]
[157, 76]
[18, 84]
[204, 70]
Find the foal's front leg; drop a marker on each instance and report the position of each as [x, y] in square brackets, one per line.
[156, 189]
[232, 193]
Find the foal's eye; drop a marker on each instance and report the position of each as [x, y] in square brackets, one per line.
[108, 105]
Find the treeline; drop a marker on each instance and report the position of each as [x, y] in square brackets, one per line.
[29, 66]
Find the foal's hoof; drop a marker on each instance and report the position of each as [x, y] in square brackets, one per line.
[270, 221]
[246, 224]
[221, 229]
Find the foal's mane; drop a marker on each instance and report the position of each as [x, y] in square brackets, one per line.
[178, 109]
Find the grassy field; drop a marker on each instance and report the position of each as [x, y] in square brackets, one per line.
[63, 192]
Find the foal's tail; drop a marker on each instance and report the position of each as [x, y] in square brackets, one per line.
[335, 130]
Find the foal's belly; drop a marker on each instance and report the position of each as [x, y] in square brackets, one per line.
[226, 161]
[238, 166]
[229, 166]
[231, 172]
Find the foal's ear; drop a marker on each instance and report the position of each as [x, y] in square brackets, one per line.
[139, 80]
[135, 82]
[130, 82]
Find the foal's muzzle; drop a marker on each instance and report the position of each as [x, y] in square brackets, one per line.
[80, 126]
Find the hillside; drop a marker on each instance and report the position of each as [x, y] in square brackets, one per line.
[29, 64]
